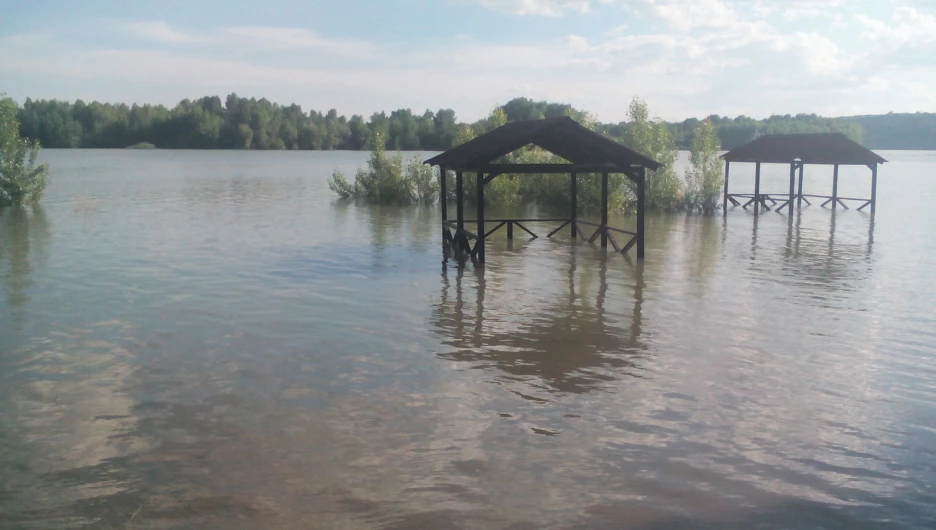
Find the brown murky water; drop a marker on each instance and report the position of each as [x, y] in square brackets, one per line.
[207, 340]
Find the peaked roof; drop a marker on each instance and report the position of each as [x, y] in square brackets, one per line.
[816, 148]
[561, 136]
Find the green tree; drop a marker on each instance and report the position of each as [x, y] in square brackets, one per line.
[704, 178]
[21, 180]
[652, 137]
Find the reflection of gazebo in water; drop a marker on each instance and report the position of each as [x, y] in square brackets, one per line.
[569, 348]
[586, 150]
[798, 150]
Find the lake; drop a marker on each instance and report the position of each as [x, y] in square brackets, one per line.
[208, 340]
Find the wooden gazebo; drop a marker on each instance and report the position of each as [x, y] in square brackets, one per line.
[798, 150]
[587, 152]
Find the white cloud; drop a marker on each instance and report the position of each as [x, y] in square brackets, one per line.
[908, 26]
[157, 30]
[548, 8]
[282, 38]
[686, 15]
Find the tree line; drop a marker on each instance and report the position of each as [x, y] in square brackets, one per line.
[242, 123]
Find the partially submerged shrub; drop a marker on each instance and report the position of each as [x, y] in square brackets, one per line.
[704, 179]
[386, 180]
[21, 179]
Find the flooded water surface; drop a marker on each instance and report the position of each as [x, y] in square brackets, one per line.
[209, 340]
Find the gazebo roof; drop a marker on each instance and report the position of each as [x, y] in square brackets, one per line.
[561, 136]
[815, 148]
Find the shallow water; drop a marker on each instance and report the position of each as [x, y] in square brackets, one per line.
[207, 340]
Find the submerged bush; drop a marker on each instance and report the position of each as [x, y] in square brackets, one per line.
[21, 180]
[704, 179]
[652, 138]
[386, 180]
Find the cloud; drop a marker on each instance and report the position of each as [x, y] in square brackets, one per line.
[687, 58]
[283, 38]
[157, 30]
[547, 8]
[684, 15]
[907, 26]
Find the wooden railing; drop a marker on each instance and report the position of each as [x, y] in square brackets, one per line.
[510, 223]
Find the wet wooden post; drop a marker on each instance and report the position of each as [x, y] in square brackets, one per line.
[510, 230]
[479, 245]
[641, 207]
[725, 199]
[573, 193]
[800, 189]
[443, 191]
[756, 188]
[459, 200]
[792, 188]
[604, 209]
[873, 188]
[835, 186]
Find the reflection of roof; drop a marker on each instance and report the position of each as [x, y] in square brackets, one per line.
[816, 148]
[561, 136]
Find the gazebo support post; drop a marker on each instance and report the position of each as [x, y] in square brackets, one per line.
[573, 194]
[873, 188]
[604, 210]
[835, 173]
[792, 188]
[479, 244]
[725, 199]
[459, 200]
[800, 187]
[443, 191]
[641, 207]
[757, 197]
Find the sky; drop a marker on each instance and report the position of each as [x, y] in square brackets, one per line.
[686, 58]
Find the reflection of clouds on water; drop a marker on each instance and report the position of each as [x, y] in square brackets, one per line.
[69, 421]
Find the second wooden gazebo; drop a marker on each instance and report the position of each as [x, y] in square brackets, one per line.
[587, 152]
[798, 150]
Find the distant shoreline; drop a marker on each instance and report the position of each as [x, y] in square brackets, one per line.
[258, 124]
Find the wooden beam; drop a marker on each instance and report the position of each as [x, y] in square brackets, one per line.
[604, 209]
[631, 243]
[525, 230]
[527, 169]
[792, 189]
[563, 225]
[757, 198]
[874, 171]
[573, 194]
[613, 242]
[594, 235]
[446, 236]
[835, 186]
[479, 246]
[641, 212]
[459, 201]
[725, 200]
[490, 177]
[800, 191]
[495, 229]
[510, 230]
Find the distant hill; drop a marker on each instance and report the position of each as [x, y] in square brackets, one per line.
[898, 131]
